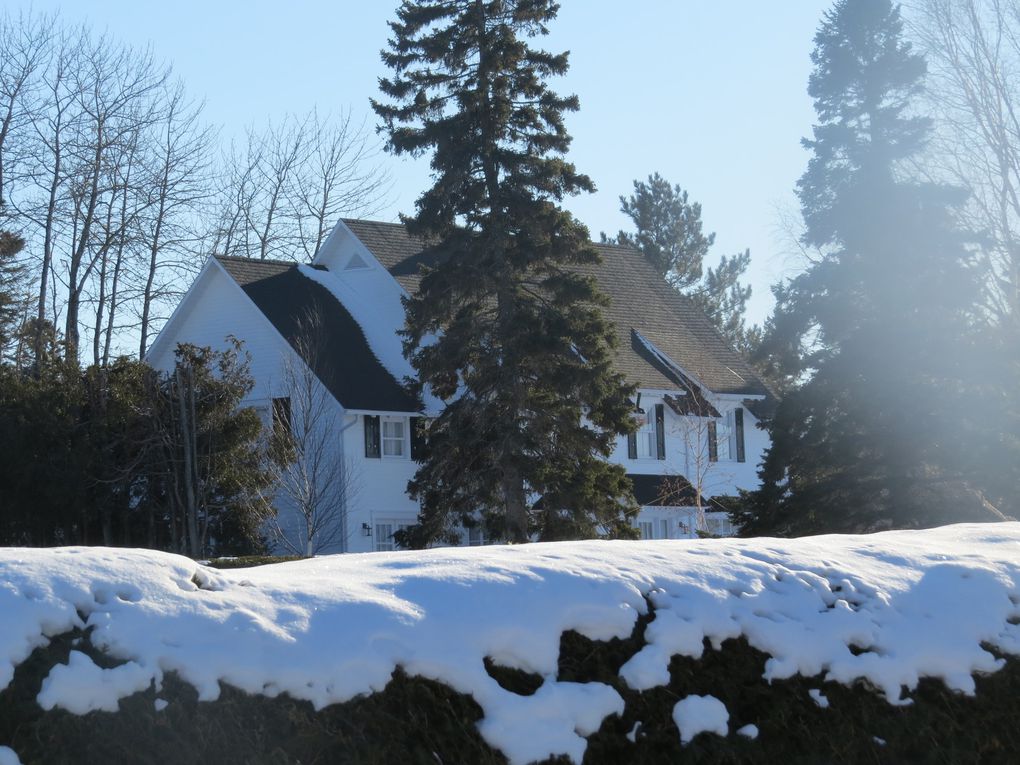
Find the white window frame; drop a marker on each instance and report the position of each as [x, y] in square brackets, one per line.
[383, 530]
[647, 436]
[647, 529]
[726, 438]
[402, 439]
[719, 524]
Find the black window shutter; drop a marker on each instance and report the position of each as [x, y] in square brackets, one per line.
[372, 436]
[632, 446]
[738, 430]
[660, 432]
[417, 438]
[713, 441]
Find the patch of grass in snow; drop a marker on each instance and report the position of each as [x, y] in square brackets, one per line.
[514, 680]
[420, 721]
[249, 561]
[412, 721]
[941, 726]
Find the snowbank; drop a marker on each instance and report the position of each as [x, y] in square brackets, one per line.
[911, 604]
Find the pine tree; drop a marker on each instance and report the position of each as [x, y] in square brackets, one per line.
[504, 329]
[11, 276]
[724, 300]
[669, 232]
[878, 331]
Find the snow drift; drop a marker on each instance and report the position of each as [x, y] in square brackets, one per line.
[888, 608]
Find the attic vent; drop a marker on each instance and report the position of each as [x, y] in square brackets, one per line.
[355, 263]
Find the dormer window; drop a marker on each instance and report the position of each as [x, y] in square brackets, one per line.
[649, 443]
[646, 436]
[726, 437]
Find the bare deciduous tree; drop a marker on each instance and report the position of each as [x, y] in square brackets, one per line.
[25, 44]
[973, 49]
[289, 184]
[313, 477]
[178, 176]
[336, 179]
[107, 170]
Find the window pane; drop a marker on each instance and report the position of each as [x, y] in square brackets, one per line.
[383, 537]
[646, 436]
[393, 438]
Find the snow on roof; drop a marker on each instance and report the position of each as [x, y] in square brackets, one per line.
[380, 319]
[918, 603]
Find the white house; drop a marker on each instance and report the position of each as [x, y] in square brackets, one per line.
[696, 399]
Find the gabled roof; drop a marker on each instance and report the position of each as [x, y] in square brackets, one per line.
[345, 363]
[641, 303]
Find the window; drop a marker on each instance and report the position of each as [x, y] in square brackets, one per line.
[723, 438]
[384, 532]
[646, 436]
[650, 440]
[726, 437]
[394, 432]
[664, 529]
[476, 537]
[719, 524]
[646, 529]
[355, 263]
[281, 416]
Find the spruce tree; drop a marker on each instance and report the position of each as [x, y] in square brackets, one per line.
[878, 331]
[505, 328]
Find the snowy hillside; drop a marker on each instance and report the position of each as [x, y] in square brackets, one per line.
[889, 608]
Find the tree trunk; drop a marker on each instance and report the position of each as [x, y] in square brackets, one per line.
[185, 403]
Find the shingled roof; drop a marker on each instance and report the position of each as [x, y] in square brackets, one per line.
[288, 299]
[641, 305]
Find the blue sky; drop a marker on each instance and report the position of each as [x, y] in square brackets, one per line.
[710, 94]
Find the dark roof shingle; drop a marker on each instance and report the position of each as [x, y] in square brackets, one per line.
[640, 300]
[288, 299]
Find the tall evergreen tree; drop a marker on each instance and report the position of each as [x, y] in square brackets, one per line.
[669, 232]
[11, 275]
[878, 331]
[504, 328]
[724, 300]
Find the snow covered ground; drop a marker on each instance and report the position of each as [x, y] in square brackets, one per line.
[916, 603]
